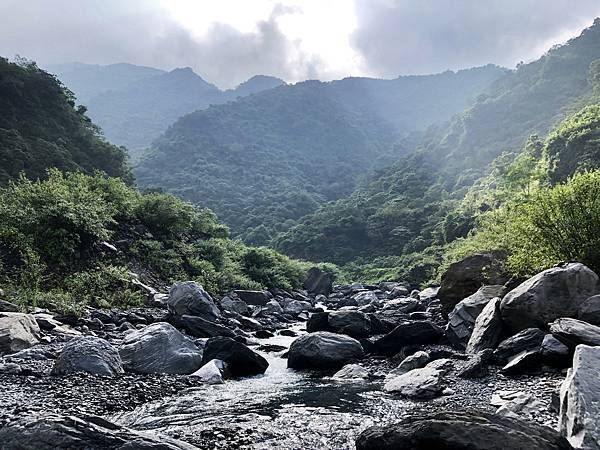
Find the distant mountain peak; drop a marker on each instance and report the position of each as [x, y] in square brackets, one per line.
[256, 84]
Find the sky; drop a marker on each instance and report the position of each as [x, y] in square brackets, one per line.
[228, 41]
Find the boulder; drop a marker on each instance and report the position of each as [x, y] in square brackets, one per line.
[190, 299]
[414, 361]
[294, 307]
[477, 365]
[589, 310]
[323, 351]
[159, 348]
[52, 431]
[408, 333]
[257, 298]
[549, 295]
[555, 352]
[428, 294]
[353, 323]
[352, 372]
[461, 319]
[318, 321]
[202, 328]
[527, 339]
[399, 291]
[241, 361]
[527, 361]
[88, 354]
[273, 306]
[365, 298]
[235, 305]
[488, 328]
[464, 278]
[318, 282]
[214, 371]
[17, 332]
[580, 400]
[573, 332]
[460, 430]
[424, 383]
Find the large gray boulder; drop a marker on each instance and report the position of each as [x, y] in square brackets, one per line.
[580, 400]
[257, 298]
[461, 319]
[235, 305]
[553, 293]
[202, 328]
[190, 299]
[527, 339]
[426, 382]
[17, 332]
[353, 323]
[323, 351]
[460, 430]
[589, 310]
[573, 332]
[88, 354]
[318, 282]
[214, 371]
[420, 332]
[488, 328]
[160, 348]
[241, 361]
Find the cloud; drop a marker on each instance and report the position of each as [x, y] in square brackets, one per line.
[425, 36]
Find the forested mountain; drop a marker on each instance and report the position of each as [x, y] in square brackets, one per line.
[410, 209]
[41, 128]
[133, 105]
[266, 160]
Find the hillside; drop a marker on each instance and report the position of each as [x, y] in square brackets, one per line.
[266, 160]
[41, 128]
[406, 211]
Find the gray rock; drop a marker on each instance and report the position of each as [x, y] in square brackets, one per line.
[461, 319]
[235, 305]
[408, 333]
[318, 282]
[574, 332]
[365, 298]
[318, 321]
[353, 323]
[589, 310]
[488, 328]
[190, 299]
[199, 327]
[160, 348]
[352, 372]
[88, 354]
[549, 295]
[555, 352]
[17, 332]
[414, 361]
[6, 306]
[274, 307]
[323, 351]
[241, 361]
[428, 294]
[580, 400]
[525, 362]
[527, 339]
[214, 371]
[257, 298]
[426, 382]
[477, 365]
[399, 291]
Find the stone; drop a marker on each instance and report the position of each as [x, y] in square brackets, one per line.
[294, 307]
[580, 400]
[318, 281]
[6, 306]
[256, 298]
[460, 430]
[365, 298]
[399, 291]
[351, 372]
[353, 323]
[488, 328]
[241, 361]
[465, 277]
[52, 431]
[273, 306]
[527, 339]
[528, 361]
[415, 361]
[476, 366]
[235, 305]
[17, 332]
[573, 332]
[214, 371]
[589, 310]
[523, 404]
[190, 299]
[318, 321]
[428, 294]
[88, 354]
[160, 348]
[202, 328]
[323, 351]
[549, 295]
[461, 319]
[408, 333]
[555, 352]
[424, 383]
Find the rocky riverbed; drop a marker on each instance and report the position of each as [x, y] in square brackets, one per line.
[314, 368]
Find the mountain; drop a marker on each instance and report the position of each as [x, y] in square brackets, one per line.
[268, 159]
[41, 128]
[409, 208]
[254, 85]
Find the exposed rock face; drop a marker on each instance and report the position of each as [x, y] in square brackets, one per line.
[549, 295]
[189, 298]
[318, 282]
[241, 361]
[352, 372]
[323, 351]
[574, 332]
[527, 339]
[580, 400]
[465, 277]
[461, 319]
[17, 332]
[423, 383]
[408, 333]
[460, 430]
[589, 311]
[258, 298]
[488, 328]
[160, 348]
[54, 431]
[353, 323]
[88, 354]
[199, 327]
[214, 371]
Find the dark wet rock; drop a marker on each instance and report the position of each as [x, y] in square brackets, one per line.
[589, 310]
[487, 330]
[465, 277]
[423, 383]
[234, 305]
[415, 361]
[580, 400]
[263, 334]
[190, 299]
[399, 291]
[477, 365]
[574, 332]
[318, 282]
[257, 298]
[271, 348]
[461, 319]
[88, 354]
[17, 332]
[202, 328]
[289, 333]
[214, 371]
[527, 339]
[160, 348]
[6, 306]
[323, 351]
[240, 360]
[460, 430]
[527, 361]
[549, 295]
[353, 323]
[408, 333]
[294, 307]
[555, 352]
[51, 431]
[318, 321]
[404, 305]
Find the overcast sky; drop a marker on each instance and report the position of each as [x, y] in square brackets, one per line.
[227, 41]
